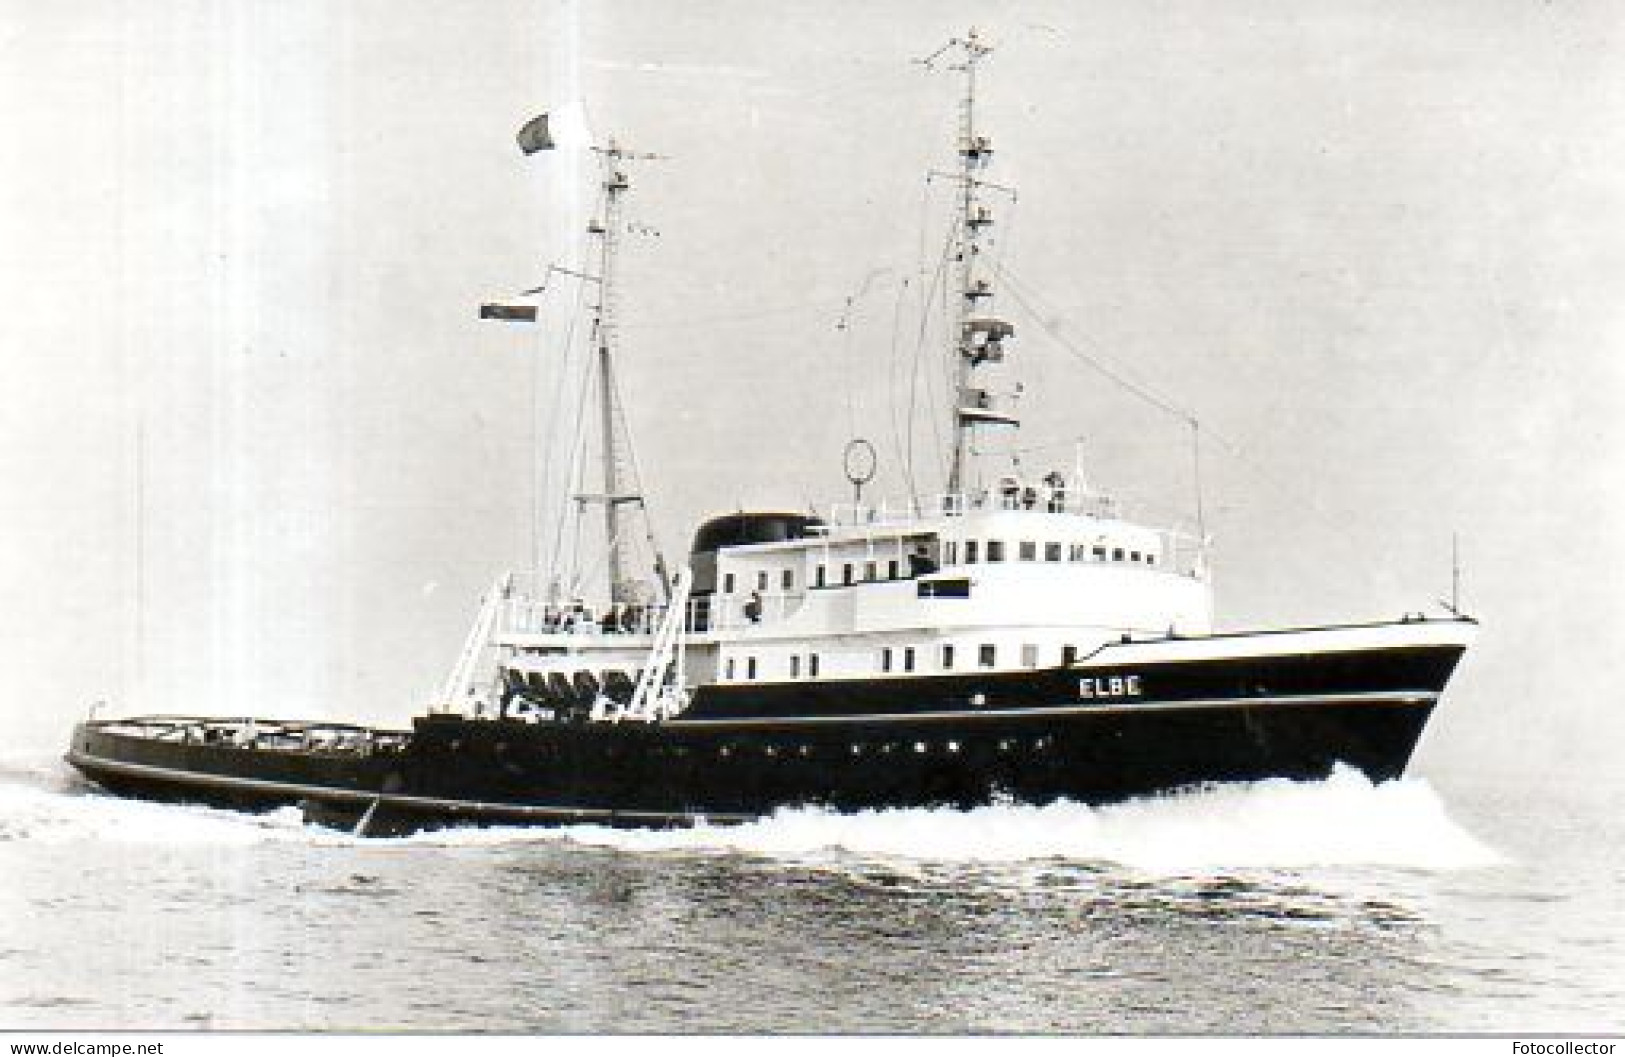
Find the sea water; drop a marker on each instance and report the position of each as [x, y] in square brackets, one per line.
[1328, 907]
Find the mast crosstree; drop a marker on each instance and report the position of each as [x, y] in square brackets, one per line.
[978, 337]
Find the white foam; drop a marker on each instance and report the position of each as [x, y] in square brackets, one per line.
[41, 800]
[1345, 820]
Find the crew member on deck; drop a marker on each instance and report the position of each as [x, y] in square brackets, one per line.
[753, 608]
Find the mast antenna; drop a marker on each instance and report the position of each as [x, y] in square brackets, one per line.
[978, 337]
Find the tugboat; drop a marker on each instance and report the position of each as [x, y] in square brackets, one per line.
[1011, 639]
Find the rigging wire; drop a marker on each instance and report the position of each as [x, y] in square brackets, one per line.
[891, 379]
[1117, 375]
[938, 286]
[546, 474]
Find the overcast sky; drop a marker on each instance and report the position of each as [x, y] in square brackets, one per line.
[1375, 247]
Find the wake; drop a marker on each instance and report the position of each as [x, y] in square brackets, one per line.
[1343, 821]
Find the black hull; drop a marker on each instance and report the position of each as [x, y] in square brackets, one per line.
[742, 752]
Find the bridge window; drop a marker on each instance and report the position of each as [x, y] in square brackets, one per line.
[1028, 551]
[947, 657]
[988, 655]
[995, 550]
[970, 552]
[1052, 552]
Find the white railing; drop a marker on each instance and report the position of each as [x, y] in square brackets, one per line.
[1038, 499]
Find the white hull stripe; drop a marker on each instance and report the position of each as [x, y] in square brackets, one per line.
[1378, 698]
[361, 797]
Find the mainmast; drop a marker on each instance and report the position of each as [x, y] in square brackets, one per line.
[604, 329]
[977, 337]
[620, 479]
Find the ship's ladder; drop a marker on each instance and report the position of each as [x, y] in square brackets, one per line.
[461, 685]
[662, 690]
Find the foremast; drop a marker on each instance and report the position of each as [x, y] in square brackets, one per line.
[977, 338]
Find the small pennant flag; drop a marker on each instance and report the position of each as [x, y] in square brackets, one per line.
[534, 136]
[509, 313]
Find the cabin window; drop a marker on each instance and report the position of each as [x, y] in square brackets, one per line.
[750, 667]
[727, 583]
[812, 665]
[1077, 552]
[885, 659]
[846, 574]
[1100, 554]
[1117, 554]
[1069, 654]
[730, 668]
[818, 577]
[795, 666]
[947, 657]
[1133, 556]
[1029, 656]
[1028, 551]
[1151, 559]
[870, 571]
[970, 552]
[908, 658]
[995, 550]
[788, 580]
[988, 655]
[761, 580]
[1052, 552]
[952, 555]
[891, 569]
